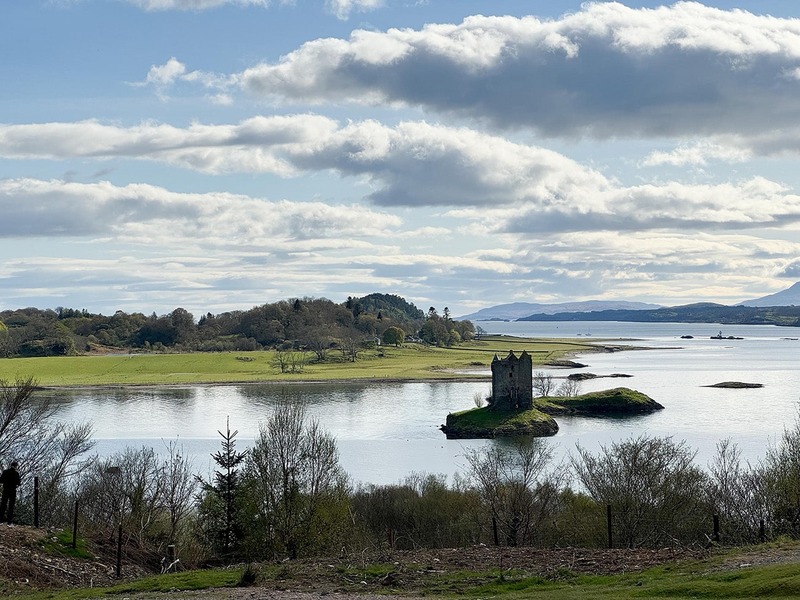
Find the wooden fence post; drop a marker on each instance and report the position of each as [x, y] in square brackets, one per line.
[762, 531]
[36, 502]
[608, 525]
[75, 527]
[119, 551]
[494, 530]
[716, 528]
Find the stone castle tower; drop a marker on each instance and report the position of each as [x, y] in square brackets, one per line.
[512, 382]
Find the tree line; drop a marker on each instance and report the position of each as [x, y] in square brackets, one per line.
[287, 496]
[313, 324]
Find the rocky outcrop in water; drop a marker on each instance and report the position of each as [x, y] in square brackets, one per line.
[735, 385]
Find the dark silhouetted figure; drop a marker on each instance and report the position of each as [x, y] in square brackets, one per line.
[10, 480]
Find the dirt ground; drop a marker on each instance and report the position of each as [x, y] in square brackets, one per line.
[27, 567]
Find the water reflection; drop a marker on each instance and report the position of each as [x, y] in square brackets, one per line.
[388, 430]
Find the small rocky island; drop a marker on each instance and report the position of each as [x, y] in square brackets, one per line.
[736, 385]
[513, 411]
[487, 422]
[619, 401]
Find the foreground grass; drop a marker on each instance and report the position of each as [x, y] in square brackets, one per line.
[161, 584]
[409, 362]
[698, 579]
[61, 543]
[678, 583]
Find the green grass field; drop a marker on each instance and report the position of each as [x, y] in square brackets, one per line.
[409, 362]
[160, 586]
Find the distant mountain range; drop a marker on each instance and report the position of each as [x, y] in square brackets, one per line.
[781, 308]
[517, 310]
[788, 297]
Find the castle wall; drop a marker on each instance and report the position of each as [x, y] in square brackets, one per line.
[512, 382]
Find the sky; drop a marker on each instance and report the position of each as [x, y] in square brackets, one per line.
[216, 155]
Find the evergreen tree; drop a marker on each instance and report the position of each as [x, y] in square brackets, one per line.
[219, 504]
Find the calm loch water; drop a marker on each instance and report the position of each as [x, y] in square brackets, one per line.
[387, 431]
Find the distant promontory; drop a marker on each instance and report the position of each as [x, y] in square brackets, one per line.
[703, 312]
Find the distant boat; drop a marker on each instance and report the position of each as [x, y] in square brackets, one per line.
[719, 336]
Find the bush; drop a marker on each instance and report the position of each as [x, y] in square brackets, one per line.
[422, 511]
[656, 492]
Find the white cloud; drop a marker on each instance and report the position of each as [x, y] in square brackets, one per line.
[221, 99]
[340, 8]
[435, 234]
[162, 249]
[418, 164]
[520, 188]
[791, 270]
[150, 215]
[166, 76]
[167, 73]
[413, 164]
[750, 204]
[255, 145]
[606, 70]
[669, 267]
[159, 5]
[697, 154]
[343, 8]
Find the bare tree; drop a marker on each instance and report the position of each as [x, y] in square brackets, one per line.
[733, 494]
[293, 470]
[319, 339]
[281, 360]
[543, 384]
[518, 485]
[778, 475]
[143, 486]
[67, 461]
[23, 421]
[178, 490]
[290, 361]
[569, 388]
[351, 343]
[148, 495]
[30, 434]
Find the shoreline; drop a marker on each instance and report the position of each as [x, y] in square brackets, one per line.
[346, 381]
[457, 373]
